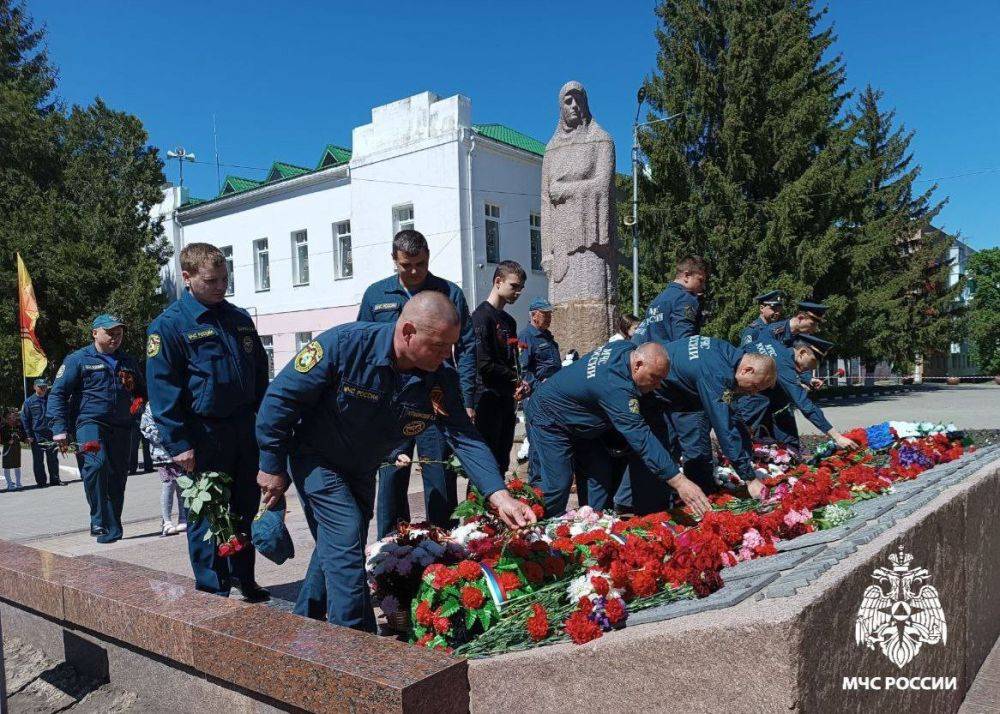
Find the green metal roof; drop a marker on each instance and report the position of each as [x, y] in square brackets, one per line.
[333, 155]
[281, 170]
[238, 184]
[511, 137]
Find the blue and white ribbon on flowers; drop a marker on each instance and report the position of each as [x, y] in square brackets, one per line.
[493, 585]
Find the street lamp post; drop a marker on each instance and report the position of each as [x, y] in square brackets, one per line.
[641, 97]
[181, 155]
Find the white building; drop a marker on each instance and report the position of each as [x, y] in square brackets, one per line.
[305, 243]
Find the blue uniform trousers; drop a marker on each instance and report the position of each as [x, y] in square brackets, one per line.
[689, 436]
[104, 473]
[767, 418]
[559, 454]
[230, 446]
[42, 458]
[440, 491]
[339, 510]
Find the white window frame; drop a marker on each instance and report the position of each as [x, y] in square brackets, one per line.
[227, 252]
[342, 231]
[300, 277]
[535, 235]
[261, 269]
[401, 222]
[491, 214]
[268, 342]
[302, 339]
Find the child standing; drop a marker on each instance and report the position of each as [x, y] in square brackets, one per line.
[168, 472]
[11, 437]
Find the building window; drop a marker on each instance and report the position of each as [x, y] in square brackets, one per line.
[261, 265]
[268, 342]
[343, 267]
[535, 223]
[300, 258]
[492, 233]
[402, 218]
[301, 340]
[227, 252]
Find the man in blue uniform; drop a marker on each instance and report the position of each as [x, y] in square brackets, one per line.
[382, 302]
[602, 391]
[207, 372]
[91, 399]
[338, 409]
[677, 311]
[770, 311]
[36, 426]
[777, 417]
[698, 396]
[539, 361]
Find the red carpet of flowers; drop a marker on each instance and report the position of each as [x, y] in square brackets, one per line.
[580, 576]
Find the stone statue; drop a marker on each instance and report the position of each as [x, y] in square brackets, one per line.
[578, 224]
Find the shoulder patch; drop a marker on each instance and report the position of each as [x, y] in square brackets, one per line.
[153, 345]
[633, 405]
[690, 312]
[308, 357]
[248, 344]
[61, 372]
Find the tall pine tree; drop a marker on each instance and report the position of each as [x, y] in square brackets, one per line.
[75, 192]
[896, 267]
[752, 174]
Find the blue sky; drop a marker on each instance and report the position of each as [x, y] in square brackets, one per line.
[285, 79]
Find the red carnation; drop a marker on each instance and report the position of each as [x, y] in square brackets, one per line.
[472, 598]
[581, 629]
[537, 510]
[601, 586]
[562, 531]
[512, 341]
[586, 605]
[442, 625]
[643, 584]
[555, 565]
[537, 491]
[425, 615]
[225, 550]
[469, 570]
[533, 572]
[91, 447]
[509, 582]
[522, 345]
[422, 642]
[538, 623]
[615, 610]
[515, 484]
[445, 577]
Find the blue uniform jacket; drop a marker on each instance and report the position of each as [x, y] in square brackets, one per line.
[703, 376]
[781, 333]
[673, 314]
[596, 394]
[342, 398]
[541, 360]
[34, 420]
[202, 362]
[384, 300]
[789, 387]
[751, 332]
[89, 389]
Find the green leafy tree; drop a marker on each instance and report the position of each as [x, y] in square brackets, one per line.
[76, 187]
[752, 173]
[902, 304]
[984, 312]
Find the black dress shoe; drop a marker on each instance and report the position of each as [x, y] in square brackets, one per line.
[98, 531]
[252, 592]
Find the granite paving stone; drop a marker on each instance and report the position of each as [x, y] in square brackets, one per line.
[729, 595]
[771, 564]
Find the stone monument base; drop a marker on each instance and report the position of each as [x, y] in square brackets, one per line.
[581, 325]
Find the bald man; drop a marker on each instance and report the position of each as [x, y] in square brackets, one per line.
[578, 404]
[347, 399]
